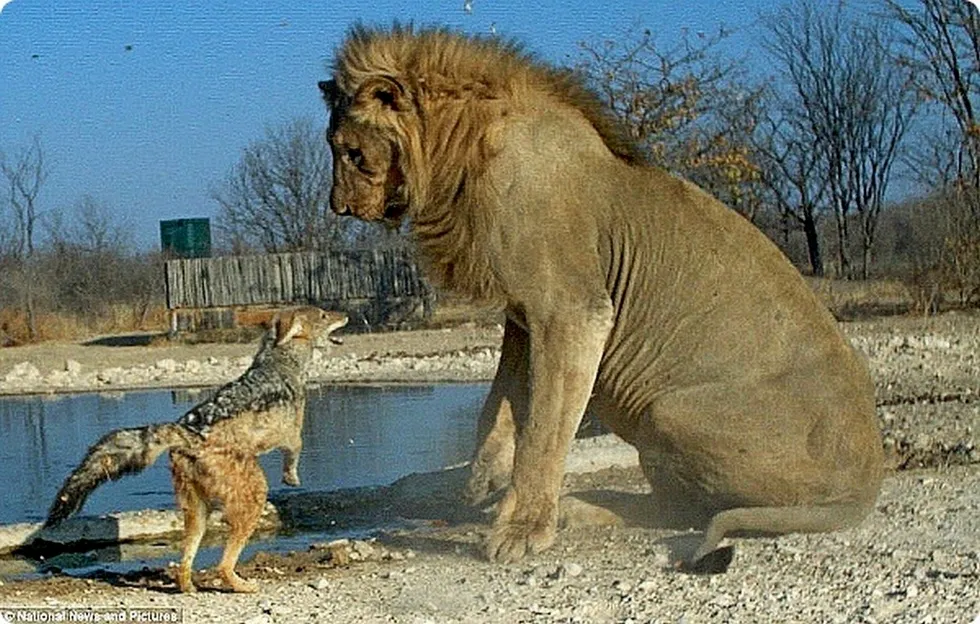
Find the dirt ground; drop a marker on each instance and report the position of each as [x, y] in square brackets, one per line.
[916, 558]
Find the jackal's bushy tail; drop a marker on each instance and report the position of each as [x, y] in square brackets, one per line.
[117, 454]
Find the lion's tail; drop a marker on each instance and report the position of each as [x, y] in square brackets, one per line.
[772, 521]
[117, 454]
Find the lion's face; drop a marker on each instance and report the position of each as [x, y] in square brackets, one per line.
[367, 180]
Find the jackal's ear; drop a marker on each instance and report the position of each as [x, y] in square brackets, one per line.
[288, 328]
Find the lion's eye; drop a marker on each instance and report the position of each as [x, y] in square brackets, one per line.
[356, 156]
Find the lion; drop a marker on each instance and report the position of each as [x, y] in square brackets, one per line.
[688, 331]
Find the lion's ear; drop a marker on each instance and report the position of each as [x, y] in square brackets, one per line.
[385, 93]
[331, 92]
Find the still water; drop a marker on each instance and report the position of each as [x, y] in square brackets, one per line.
[353, 436]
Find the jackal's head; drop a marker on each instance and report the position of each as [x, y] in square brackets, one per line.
[308, 323]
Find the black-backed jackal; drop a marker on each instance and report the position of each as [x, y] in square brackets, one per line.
[214, 446]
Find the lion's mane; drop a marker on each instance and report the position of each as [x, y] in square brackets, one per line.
[458, 87]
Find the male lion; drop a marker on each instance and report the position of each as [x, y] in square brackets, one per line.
[692, 335]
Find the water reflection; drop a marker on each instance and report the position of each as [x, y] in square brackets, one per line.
[354, 435]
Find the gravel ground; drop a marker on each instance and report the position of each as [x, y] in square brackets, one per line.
[915, 559]
[461, 354]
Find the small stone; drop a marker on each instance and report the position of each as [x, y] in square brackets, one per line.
[724, 600]
[623, 587]
[72, 367]
[647, 586]
[167, 365]
[571, 569]
[320, 584]
[363, 549]
[541, 571]
[111, 375]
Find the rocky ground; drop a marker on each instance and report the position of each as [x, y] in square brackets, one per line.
[463, 353]
[915, 559]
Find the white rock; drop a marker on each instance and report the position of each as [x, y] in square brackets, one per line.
[167, 365]
[110, 375]
[25, 371]
[72, 367]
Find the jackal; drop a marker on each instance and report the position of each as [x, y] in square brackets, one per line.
[214, 446]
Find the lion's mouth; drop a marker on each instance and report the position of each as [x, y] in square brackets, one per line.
[394, 211]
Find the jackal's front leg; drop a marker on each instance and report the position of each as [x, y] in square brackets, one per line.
[292, 446]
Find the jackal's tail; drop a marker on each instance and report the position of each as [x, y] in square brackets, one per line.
[117, 454]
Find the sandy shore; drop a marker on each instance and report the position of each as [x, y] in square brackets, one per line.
[460, 354]
[916, 558]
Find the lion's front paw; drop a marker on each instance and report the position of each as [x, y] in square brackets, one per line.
[511, 542]
[518, 532]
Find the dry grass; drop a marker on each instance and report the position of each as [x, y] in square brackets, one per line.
[452, 311]
[848, 299]
[69, 327]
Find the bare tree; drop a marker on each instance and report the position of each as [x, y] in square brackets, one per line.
[276, 198]
[856, 105]
[89, 226]
[941, 51]
[25, 176]
[791, 171]
[685, 104]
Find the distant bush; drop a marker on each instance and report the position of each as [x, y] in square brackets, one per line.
[933, 246]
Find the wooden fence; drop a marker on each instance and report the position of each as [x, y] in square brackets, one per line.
[375, 287]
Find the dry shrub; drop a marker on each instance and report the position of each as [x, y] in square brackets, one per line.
[61, 326]
[932, 246]
[850, 299]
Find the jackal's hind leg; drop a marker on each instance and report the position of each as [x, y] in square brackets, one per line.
[195, 511]
[243, 508]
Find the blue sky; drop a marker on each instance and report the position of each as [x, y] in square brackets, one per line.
[145, 105]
